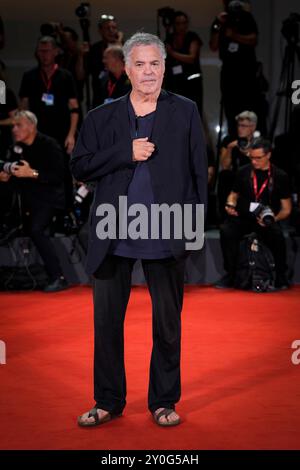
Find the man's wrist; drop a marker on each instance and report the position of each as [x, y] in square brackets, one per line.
[216, 26]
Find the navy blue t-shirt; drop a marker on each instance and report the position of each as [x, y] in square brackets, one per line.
[140, 191]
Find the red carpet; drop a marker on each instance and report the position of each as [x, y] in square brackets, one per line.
[240, 389]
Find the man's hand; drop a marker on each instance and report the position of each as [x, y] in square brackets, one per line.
[4, 177]
[260, 221]
[69, 143]
[222, 17]
[232, 144]
[22, 171]
[142, 149]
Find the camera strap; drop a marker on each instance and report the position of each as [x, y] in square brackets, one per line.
[268, 182]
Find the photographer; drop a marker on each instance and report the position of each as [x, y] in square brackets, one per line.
[73, 57]
[259, 182]
[114, 83]
[50, 93]
[183, 72]
[234, 34]
[234, 155]
[39, 169]
[110, 36]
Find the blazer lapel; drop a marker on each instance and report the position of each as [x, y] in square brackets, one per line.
[164, 114]
[121, 117]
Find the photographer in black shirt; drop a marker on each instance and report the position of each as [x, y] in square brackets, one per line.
[259, 182]
[38, 165]
[234, 34]
[183, 72]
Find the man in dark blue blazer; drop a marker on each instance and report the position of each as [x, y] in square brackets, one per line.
[143, 150]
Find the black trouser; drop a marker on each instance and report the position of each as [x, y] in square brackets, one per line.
[238, 88]
[235, 228]
[38, 226]
[111, 287]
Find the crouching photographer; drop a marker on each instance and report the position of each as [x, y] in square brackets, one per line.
[259, 200]
[37, 163]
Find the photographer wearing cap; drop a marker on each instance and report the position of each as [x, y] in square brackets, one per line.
[38, 165]
[259, 200]
[235, 154]
[234, 34]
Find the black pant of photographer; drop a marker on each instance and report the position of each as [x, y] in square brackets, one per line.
[39, 221]
[235, 228]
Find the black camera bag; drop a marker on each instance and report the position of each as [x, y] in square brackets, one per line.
[255, 266]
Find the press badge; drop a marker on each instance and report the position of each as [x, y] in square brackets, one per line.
[177, 70]
[108, 100]
[253, 206]
[233, 47]
[48, 99]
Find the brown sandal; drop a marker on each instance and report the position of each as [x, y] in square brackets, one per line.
[97, 421]
[165, 412]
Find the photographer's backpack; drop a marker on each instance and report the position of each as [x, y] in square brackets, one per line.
[255, 267]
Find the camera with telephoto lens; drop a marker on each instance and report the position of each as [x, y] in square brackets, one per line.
[291, 28]
[8, 166]
[49, 29]
[235, 10]
[243, 143]
[235, 6]
[265, 213]
[167, 14]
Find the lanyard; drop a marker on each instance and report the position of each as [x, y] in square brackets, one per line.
[257, 193]
[110, 87]
[48, 81]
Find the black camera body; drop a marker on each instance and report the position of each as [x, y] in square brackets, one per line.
[167, 14]
[83, 10]
[235, 6]
[265, 213]
[244, 144]
[235, 10]
[291, 28]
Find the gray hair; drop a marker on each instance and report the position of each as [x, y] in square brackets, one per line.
[249, 115]
[116, 52]
[47, 40]
[143, 39]
[27, 115]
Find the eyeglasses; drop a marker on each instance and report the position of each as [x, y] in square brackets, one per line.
[245, 125]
